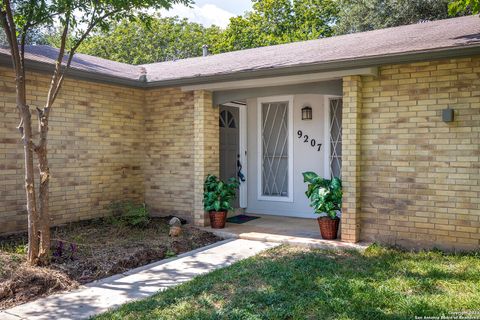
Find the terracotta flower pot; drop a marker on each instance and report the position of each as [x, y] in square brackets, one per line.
[328, 227]
[217, 219]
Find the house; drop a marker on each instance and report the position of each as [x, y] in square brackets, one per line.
[367, 107]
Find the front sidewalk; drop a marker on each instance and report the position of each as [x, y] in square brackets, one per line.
[105, 294]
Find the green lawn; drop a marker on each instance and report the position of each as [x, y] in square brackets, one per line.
[293, 283]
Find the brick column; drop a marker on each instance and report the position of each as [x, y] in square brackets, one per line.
[351, 113]
[206, 149]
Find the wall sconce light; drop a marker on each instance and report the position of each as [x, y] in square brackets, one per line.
[307, 113]
[447, 115]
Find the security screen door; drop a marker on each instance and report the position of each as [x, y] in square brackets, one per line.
[274, 149]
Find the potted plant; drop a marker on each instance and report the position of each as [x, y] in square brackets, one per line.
[217, 198]
[326, 198]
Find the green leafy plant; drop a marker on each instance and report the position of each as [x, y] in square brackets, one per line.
[325, 195]
[218, 195]
[129, 214]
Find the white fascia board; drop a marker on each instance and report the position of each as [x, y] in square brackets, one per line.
[283, 80]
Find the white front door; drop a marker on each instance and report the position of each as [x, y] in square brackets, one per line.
[281, 147]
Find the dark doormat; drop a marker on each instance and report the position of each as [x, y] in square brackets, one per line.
[241, 218]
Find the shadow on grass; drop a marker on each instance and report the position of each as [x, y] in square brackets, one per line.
[287, 283]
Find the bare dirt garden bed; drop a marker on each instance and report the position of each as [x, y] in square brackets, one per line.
[86, 251]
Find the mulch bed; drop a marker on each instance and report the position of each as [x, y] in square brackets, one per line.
[86, 251]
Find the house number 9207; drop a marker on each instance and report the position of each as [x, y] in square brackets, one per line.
[306, 139]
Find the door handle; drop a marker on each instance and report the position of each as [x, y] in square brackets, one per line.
[240, 174]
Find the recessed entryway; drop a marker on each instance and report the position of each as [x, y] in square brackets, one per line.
[233, 150]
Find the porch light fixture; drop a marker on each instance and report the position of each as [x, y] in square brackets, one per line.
[307, 113]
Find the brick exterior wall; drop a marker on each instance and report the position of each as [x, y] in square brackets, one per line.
[96, 149]
[169, 145]
[351, 114]
[420, 176]
[207, 149]
[409, 178]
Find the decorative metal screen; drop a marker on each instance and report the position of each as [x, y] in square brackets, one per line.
[227, 120]
[275, 149]
[336, 137]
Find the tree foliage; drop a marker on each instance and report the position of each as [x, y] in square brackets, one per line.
[159, 39]
[269, 22]
[464, 7]
[279, 21]
[365, 15]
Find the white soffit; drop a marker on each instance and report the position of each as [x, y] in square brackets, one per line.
[283, 80]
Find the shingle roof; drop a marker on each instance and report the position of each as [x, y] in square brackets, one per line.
[463, 32]
[83, 62]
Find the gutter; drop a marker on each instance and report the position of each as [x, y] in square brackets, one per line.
[328, 66]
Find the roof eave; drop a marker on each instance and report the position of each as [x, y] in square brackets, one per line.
[452, 52]
[45, 67]
[335, 65]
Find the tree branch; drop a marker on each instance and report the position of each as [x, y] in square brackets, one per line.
[23, 38]
[56, 77]
[93, 23]
[13, 34]
[6, 29]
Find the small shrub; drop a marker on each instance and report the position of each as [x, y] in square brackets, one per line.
[130, 214]
[14, 248]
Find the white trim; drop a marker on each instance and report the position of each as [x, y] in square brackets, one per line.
[282, 80]
[242, 149]
[290, 107]
[328, 134]
[243, 192]
[326, 142]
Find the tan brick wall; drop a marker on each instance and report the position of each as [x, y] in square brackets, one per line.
[169, 146]
[351, 122]
[409, 178]
[96, 149]
[207, 148]
[112, 143]
[420, 178]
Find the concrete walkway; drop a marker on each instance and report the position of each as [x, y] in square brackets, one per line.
[285, 230]
[139, 283]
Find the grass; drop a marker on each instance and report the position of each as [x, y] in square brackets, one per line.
[293, 283]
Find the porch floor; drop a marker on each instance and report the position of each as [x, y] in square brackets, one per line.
[287, 230]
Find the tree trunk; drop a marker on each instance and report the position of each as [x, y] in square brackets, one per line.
[44, 218]
[33, 236]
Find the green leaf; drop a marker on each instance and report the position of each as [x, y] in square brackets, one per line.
[309, 176]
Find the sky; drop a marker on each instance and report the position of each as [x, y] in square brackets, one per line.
[208, 12]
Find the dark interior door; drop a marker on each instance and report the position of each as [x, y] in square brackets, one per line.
[229, 144]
